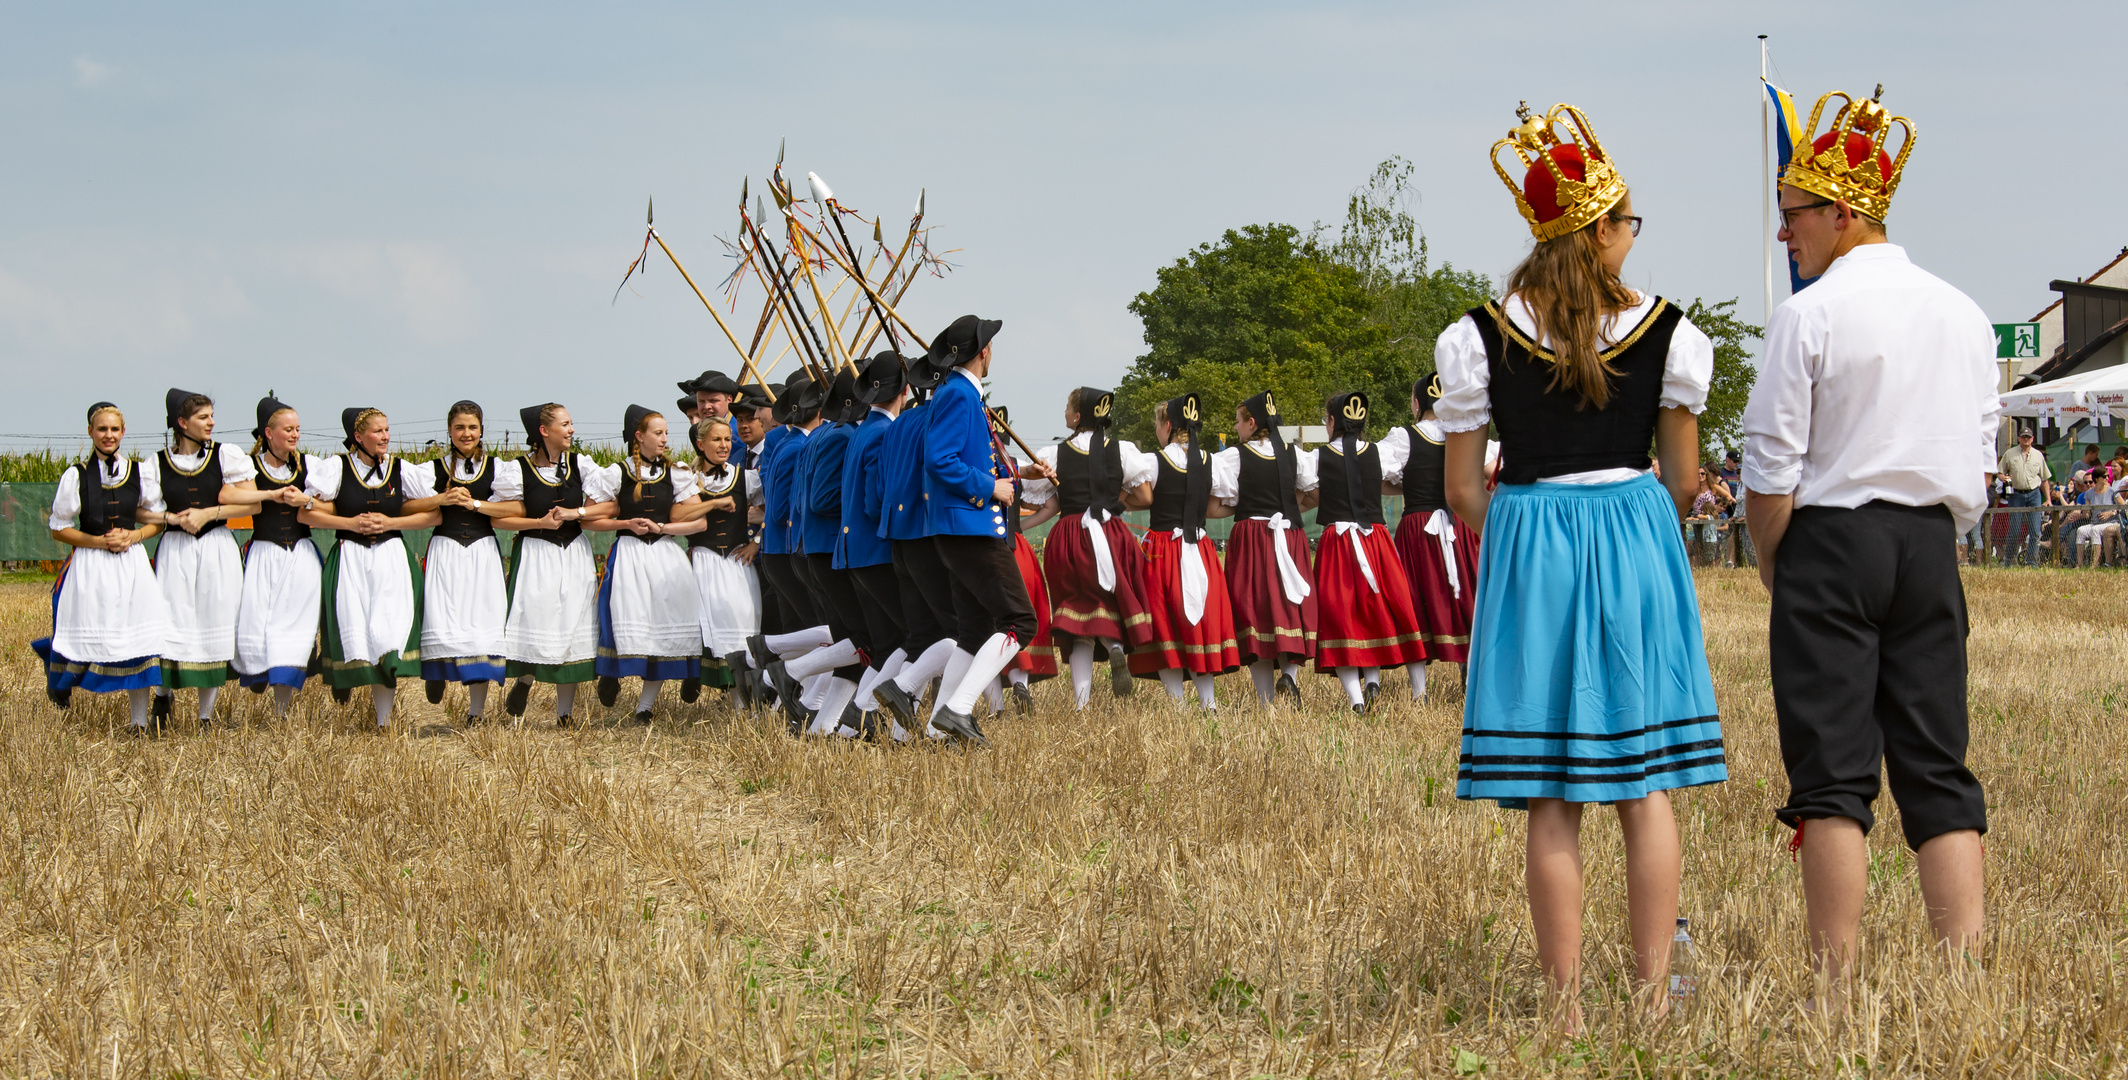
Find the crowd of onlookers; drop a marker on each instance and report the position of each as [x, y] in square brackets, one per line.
[2088, 535]
[1712, 527]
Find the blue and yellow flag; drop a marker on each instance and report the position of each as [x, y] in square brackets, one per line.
[1787, 135]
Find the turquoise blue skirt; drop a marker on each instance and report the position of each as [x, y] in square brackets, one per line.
[1588, 676]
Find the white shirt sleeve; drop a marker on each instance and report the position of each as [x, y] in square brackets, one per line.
[1396, 451]
[237, 465]
[1226, 475]
[1138, 466]
[1688, 369]
[151, 486]
[600, 485]
[685, 482]
[1777, 419]
[1305, 470]
[1466, 378]
[66, 502]
[323, 480]
[1038, 492]
[753, 487]
[509, 482]
[417, 479]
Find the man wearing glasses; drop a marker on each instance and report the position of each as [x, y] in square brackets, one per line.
[2031, 484]
[1866, 440]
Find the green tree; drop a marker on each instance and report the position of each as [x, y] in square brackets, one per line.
[1721, 426]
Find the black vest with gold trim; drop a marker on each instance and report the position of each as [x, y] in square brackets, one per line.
[105, 507]
[1337, 504]
[566, 490]
[1425, 474]
[1548, 432]
[197, 489]
[357, 496]
[273, 522]
[1075, 481]
[460, 523]
[1261, 492]
[725, 529]
[650, 499]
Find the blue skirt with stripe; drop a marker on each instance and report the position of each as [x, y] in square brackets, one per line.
[1588, 677]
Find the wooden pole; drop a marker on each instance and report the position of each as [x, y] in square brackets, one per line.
[712, 309]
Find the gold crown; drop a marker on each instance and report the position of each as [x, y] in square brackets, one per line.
[1584, 200]
[1827, 174]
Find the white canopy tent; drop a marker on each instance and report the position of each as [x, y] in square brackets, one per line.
[2100, 395]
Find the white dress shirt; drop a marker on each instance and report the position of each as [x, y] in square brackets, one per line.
[1878, 383]
[1226, 470]
[1138, 467]
[1466, 373]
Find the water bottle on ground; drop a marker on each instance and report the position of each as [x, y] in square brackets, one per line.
[1684, 962]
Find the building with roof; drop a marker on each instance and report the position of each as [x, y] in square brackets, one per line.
[2086, 328]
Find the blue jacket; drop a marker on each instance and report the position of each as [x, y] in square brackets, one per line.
[779, 468]
[820, 515]
[960, 467]
[859, 544]
[901, 477]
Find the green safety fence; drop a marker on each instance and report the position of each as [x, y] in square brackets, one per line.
[26, 510]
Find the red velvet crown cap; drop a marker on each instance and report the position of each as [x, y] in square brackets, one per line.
[1857, 150]
[1541, 191]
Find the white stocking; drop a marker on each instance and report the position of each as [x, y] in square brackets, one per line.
[206, 702]
[983, 669]
[956, 669]
[816, 689]
[1263, 675]
[793, 645]
[1205, 695]
[1349, 678]
[283, 696]
[1177, 686]
[380, 695]
[1082, 671]
[912, 677]
[1417, 671]
[1017, 676]
[564, 698]
[833, 701]
[650, 694]
[828, 658]
[479, 693]
[137, 700]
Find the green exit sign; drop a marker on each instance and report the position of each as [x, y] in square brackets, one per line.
[2016, 340]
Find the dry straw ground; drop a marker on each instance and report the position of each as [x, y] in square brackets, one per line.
[1141, 891]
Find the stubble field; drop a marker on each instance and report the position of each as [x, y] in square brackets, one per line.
[1143, 890]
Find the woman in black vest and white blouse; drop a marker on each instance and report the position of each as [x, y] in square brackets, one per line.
[372, 583]
[109, 621]
[277, 616]
[197, 563]
[650, 614]
[1273, 592]
[551, 634]
[1363, 598]
[464, 600]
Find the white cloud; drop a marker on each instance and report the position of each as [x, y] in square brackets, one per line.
[92, 73]
[421, 284]
[136, 313]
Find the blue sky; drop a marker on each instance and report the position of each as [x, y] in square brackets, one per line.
[406, 204]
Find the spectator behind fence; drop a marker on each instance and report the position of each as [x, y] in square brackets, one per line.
[2031, 484]
[2090, 462]
[2098, 525]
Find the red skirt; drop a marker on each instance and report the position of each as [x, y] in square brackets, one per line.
[1444, 610]
[1362, 627]
[1039, 658]
[1266, 624]
[1079, 606]
[1206, 648]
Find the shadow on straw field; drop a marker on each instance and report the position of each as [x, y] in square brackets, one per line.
[1142, 889]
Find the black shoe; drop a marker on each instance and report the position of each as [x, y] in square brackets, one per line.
[758, 645]
[435, 690]
[764, 693]
[870, 728]
[159, 709]
[895, 700]
[853, 720]
[1022, 699]
[1368, 693]
[787, 693]
[643, 717]
[257, 688]
[343, 694]
[514, 702]
[1286, 686]
[960, 725]
[565, 721]
[61, 698]
[609, 690]
[1119, 674]
[474, 719]
[742, 680]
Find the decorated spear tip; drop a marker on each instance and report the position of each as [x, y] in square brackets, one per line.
[650, 213]
[877, 236]
[819, 188]
[781, 142]
[920, 202]
[742, 194]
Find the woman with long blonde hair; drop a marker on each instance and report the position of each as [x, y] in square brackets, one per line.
[1588, 680]
[109, 621]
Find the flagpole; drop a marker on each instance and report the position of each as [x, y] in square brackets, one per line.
[1765, 184]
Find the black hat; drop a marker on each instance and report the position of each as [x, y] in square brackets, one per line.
[963, 341]
[97, 408]
[1263, 408]
[529, 416]
[268, 406]
[172, 401]
[715, 382]
[347, 424]
[1347, 413]
[1186, 413]
[880, 379]
[842, 395]
[685, 405]
[787, 397]
[1428, 389]
[1096, 407]
[924, 373]
[636, 413]
[1732, 455]
[751, 398]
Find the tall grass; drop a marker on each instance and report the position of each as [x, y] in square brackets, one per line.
[1141, 890]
